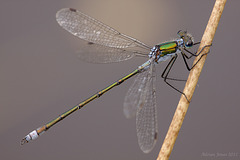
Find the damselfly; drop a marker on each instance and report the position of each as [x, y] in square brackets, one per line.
[108, 45]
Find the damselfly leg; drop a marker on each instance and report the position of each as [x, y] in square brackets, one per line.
[172, 61]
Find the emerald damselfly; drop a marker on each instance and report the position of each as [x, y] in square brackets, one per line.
[105, 45]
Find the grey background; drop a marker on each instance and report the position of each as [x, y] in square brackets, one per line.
[41, 77]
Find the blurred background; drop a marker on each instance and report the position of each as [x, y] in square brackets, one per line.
[41, 77]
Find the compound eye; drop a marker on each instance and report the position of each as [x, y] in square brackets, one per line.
[189, 43]
[181, 33]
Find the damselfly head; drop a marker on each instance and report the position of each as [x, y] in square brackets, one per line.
[187, 38]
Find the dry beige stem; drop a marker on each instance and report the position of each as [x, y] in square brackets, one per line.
[191, 83]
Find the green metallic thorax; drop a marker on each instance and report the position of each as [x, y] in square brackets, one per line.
[168, 48]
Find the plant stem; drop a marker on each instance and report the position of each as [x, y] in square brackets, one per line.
[191, 83]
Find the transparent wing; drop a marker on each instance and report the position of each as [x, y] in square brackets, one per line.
[140, 100]
[92, 30]
[146, 117]
[95, 53]
[134, 94]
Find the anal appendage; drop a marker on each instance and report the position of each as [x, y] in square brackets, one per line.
[31, 136]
